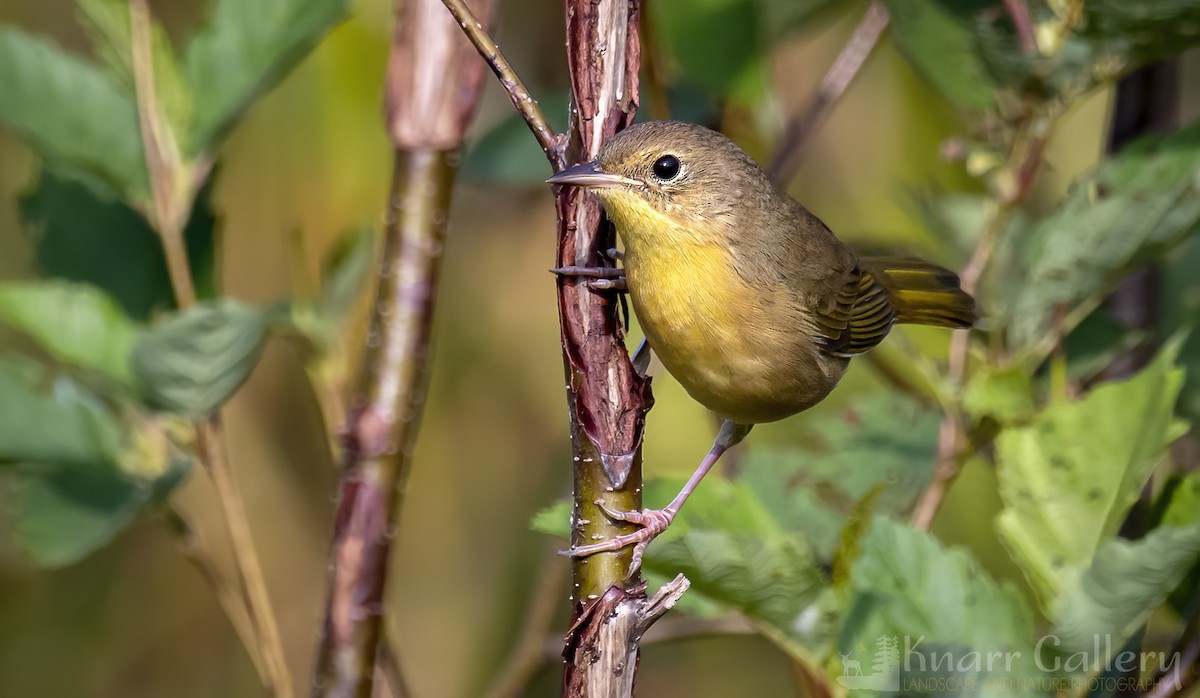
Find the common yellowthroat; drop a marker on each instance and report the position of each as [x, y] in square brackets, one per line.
[747, 298]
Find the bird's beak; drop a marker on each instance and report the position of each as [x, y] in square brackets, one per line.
[590, 175]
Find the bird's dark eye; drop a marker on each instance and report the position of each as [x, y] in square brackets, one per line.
[666, 167]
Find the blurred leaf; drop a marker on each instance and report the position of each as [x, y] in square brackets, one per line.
[1125, 583]
[1133, 34]
[717, 44]
[939, 38]
[1184, 509]
[1068, 479]
[82, 236]
[917, 598]
[245, 50]
[107, 22]
[508, 154]
[1133, 209]
[76, 324]
[63, 516]
[52, 421]
[344, 273]
[75, 117]
[193, 361]
[779, 17]
[887, 439]
[1004, 394]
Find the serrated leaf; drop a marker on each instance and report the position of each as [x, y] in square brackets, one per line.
[76, 324]
[64, 516]
[915, 601]
[1137, 206]
[1127, 580]
[886, 440]
[193, 361]
[939, 38]
[1068, 479]
[52, 421]
[82, 236]
[244, 50]
[72, 114]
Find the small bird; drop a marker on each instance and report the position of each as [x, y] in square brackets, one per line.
[746, 297]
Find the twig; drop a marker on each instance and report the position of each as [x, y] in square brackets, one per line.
[433, 87]
[1024, 158]
[528, 650]
[803, 125]
[1018, 11]
[174, 187]
[524, 102]
[229, 596]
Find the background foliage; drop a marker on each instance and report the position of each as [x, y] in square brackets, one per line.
[805, 539]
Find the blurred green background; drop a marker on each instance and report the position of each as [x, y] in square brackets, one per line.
[311, 159]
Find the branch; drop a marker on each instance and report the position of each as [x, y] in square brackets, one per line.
[524, 102]
[804, 125]
[433, 87]
[174, 188]
[1018, 11]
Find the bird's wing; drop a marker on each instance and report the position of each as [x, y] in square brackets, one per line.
[855, 318]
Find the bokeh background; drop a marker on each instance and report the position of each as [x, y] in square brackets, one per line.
[311, 159]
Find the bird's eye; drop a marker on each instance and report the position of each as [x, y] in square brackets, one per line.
[666, 167]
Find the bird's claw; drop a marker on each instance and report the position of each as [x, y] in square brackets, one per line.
[652, 521]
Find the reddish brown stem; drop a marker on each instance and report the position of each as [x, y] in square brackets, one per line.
[1018, 11]
[432, 89]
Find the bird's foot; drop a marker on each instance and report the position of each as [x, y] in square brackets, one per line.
[598, 278]
[652, 521]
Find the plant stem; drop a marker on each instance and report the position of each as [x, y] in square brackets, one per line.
[1017, 180]
[433, 87]
[528, 652]
[849, 62]
[173, 188]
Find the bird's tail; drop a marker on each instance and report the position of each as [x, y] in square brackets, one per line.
[922, 293]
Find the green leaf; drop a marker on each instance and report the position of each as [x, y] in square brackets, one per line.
[71, 113]
[1125, 583]
[193, 361]
[508, 154]
[1132, 34]
[53, 421]
[1003, 394]
[64, 516]
[107, 22]
[1069, 478]
[717, 44]
[76, 324]
[345, 272]
[245, 50]
[1137, 206]
[1184, 508]
[886, 440]
[914, 601]
[939, 38]
[85, 237]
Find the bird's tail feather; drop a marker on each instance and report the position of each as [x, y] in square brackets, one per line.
[922, 293]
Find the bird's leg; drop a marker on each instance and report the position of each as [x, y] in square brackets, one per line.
[655, 521]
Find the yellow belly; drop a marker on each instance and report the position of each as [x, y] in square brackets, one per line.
[718, 338]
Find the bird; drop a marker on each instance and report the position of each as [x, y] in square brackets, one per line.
[745, 296]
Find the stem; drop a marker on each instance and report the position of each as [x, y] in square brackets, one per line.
[173, 187]
[1018, 11]
[849, 62]
[529, 647]
[432, 88]
[228, 596]
[524, 102]
[952, 449]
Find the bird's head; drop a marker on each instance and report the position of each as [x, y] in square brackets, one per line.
[664, 179]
